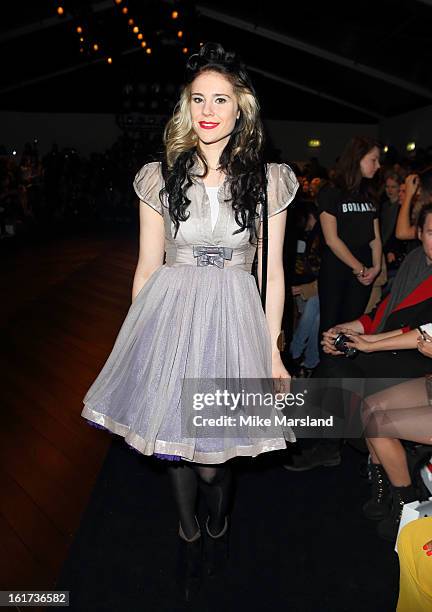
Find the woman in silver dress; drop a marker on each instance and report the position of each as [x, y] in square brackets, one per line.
[197, 313]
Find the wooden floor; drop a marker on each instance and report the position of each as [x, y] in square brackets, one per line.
[61, 307]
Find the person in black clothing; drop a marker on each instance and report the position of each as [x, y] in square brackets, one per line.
[351, 258]
[393, 249]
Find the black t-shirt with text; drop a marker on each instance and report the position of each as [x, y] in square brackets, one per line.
[355, 214]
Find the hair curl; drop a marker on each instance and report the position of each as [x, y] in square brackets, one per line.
[241, 159]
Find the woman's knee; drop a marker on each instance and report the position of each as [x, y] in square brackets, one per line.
[211, 475]
[372, 412]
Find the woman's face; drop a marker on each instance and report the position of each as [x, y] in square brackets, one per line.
[314, 186]
[369, 164]
[402, 190]
[392, 190]
[425, 235]
[214, 107]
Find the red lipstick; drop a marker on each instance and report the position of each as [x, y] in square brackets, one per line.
[207, 125]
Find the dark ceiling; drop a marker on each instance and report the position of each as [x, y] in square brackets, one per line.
[309, 61]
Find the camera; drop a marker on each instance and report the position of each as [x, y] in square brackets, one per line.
[340, 344]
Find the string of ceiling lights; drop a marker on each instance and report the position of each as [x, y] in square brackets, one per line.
[88, 43]
[124, 10]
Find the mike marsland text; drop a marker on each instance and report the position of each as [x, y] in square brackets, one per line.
[257, 421]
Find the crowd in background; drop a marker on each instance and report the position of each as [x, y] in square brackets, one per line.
[64, 189]
[305, 241]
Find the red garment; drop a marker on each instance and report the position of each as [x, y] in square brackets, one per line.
[421, 293]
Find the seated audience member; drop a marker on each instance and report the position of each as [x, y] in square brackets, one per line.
[305, 291]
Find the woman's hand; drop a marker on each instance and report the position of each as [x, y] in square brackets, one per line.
[357, 341]
[425, 346]
[280, 375]
[368, 276]
[411, 185]
[328, 339]
[428, 548]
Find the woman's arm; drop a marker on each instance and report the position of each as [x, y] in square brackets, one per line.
[275, 295]
[376, 247]
[397, 342]
[338, 246]
[151, 246]
[404, 230]
[370, 274]
[381, 336]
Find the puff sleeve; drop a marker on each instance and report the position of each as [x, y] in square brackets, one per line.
[282, 186]
[147, 184]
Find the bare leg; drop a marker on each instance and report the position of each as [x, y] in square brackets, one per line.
[401, 412]
[374, 456]
[392, 457]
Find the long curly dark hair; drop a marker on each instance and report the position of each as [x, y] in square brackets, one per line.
[241, 159]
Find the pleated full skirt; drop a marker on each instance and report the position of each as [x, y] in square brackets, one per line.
[187, 322]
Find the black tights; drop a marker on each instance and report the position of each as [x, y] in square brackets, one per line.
[214, 483]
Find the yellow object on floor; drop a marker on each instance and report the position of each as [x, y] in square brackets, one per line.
[415, 592]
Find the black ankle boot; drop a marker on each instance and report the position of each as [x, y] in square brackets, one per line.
[189, 564]
[217, 549]
[378, 506]
[388, 528]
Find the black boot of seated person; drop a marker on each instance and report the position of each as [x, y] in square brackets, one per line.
[217, 549]
[378, 506]
[189, 564]
[388, 528]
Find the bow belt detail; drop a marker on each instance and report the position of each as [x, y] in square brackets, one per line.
[212, 255]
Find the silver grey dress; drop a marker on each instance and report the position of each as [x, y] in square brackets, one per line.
[197, 317]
